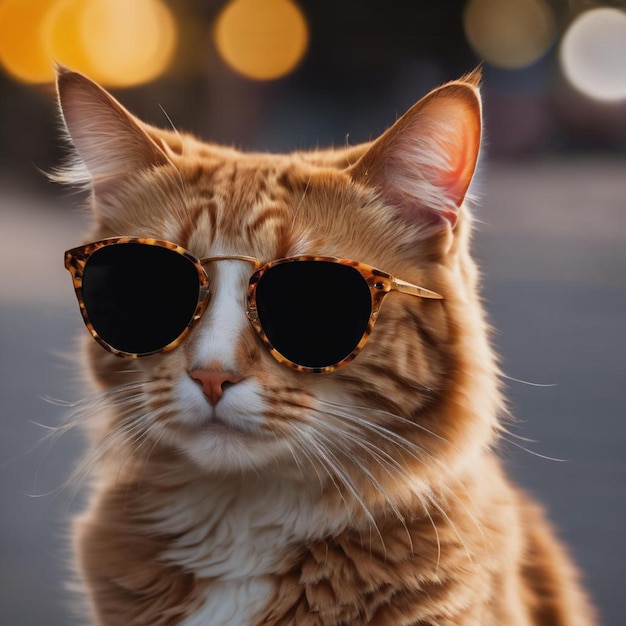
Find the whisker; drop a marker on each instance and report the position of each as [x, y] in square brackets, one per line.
[421, 387]
[526, 382]
[126, 400]
[537, 454]
[353, 434]
[307, 447]
[431, 500]
[325, 453]
[155, 442]
[301, 202]
[372, 450]
[382, 412]
[302, 448]
[436, 531]
[390, 465]
[358, 423]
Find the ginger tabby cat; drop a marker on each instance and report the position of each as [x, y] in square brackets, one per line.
[270, 443]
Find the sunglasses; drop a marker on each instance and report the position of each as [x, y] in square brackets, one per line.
[142, 296]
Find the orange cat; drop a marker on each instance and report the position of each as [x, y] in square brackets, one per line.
[297, 405]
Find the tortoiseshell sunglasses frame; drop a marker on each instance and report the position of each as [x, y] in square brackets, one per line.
[379, 283]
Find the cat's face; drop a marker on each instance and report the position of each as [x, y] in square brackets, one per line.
[220, 398]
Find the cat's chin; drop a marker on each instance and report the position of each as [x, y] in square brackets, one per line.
[230, 436]
[224, 450]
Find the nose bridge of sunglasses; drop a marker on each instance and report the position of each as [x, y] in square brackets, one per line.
[256, 263]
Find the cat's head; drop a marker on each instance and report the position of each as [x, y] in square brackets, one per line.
[420, 392]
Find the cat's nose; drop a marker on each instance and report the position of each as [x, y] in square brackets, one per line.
[214, 382]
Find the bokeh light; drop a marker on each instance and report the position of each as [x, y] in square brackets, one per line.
[261, 39]
[509, 33]
[23, 53]
[63, 36]
[116, 42]
[128, 41]
[593, 54]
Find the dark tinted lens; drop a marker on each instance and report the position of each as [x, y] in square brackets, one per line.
[313, 312]
[138, 297]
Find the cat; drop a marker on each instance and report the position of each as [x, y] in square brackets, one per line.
[231, 485]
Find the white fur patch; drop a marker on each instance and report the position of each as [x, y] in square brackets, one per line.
[220, 441]
[232, 603]
[241, 406]
[222, 437]
[233, 532]
[234, 526]
[221, 328]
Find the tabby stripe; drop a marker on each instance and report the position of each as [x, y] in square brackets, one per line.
[379, 371]
[267, 215]
[191, 223]
[198, 173]
[422, 329]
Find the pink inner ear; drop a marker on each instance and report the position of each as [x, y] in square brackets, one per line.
[423, 165]
[461, 143]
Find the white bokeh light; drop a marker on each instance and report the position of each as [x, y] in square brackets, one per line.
[593, 54]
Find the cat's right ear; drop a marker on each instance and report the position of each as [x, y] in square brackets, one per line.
[110, 142]
[423, 165]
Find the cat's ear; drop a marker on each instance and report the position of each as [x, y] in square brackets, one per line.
[423, 165]
[110, 142]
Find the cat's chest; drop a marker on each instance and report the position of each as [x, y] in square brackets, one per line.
[232, 603]
[234, 537]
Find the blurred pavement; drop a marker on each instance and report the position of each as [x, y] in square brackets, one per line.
[552, 243]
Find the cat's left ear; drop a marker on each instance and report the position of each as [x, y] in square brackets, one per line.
[110, 141]
[423, 165]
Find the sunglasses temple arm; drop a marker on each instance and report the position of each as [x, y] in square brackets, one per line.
[413, 290]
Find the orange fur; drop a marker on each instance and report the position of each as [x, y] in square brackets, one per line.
[372, 495]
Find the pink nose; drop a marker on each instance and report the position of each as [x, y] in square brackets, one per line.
[214, 382]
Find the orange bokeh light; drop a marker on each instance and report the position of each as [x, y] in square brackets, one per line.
[62, 34]
[261, 39]
[127, 41]
[116, 42]
[22, 51]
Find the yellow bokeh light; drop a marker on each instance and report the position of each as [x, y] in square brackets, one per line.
[116, 42]
[261, 39]
[62, 33]
[128, 41]
[593, 54]
[22, 50]
[509, 33]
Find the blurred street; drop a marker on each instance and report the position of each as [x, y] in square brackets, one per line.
[552, 243]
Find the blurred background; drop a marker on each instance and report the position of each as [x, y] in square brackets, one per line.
[278, 75]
